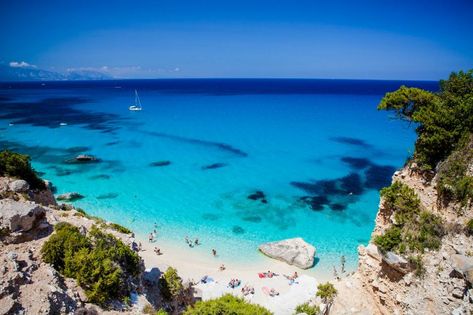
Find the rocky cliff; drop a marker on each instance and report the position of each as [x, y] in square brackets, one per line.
[28, 285]
[388, 283]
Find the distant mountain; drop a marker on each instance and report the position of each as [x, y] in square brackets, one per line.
[8, 73]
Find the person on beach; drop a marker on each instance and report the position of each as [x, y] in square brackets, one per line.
[214, 252]
[222, 267]
[140, 248]
[157, 251]
[196, 241]
[150, 237]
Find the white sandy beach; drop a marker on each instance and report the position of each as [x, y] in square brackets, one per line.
[193, 265]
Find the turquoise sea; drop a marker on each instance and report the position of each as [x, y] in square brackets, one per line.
[251, 161]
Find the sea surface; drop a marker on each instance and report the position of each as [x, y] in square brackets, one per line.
[246, 161]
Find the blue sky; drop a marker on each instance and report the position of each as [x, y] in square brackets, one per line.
[205, 38]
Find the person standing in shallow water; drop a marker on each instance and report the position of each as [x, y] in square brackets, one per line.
[214, 252]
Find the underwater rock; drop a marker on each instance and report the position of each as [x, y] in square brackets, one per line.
[294, 251]
[107, 196]
[258, 195]
[316, 203]
[100, 176]
[160, 163]
[252, 218]
[238, 230]
[337, 206]
[70, 196]
[213, 166]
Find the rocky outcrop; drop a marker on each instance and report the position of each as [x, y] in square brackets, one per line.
[294, 251]
[19, 216]
[70, 196]
[19, 186]
[388, 284]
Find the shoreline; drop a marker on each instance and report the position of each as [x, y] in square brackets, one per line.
[192, 265]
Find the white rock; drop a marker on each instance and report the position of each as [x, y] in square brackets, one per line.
[396, 262]
[19, 216]
[294, 251]
[19, 186]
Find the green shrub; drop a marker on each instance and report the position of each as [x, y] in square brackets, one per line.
[100, 263]
[453, 182]
[119, 228]
[402, 200]
[307, 309]
[161, 312]
[170, 284]
[226, 305]
[19, 166]
[414, 229]
[327, 292]
[442, 118]
[418, 265]
[469, 227]
[390, 240]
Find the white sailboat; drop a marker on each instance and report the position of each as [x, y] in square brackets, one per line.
[137, 106]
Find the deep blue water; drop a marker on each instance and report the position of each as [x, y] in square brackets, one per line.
[250, 160]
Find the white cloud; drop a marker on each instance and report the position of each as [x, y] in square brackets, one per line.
[21, 64]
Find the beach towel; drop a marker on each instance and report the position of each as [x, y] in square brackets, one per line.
[262, 275]
[266, 290]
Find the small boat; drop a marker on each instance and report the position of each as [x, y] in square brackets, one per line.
[137, 106]
[63, 124]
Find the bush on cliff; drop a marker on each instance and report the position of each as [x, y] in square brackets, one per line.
[19, 166]
[101, 263]
[413, 229]
[442, 118]
[307, 309]
[226, 305]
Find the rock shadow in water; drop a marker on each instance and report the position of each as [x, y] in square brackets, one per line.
[213, 166]
[107, 196]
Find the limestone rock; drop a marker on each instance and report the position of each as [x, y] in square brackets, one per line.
[19, 216]
[461, 263]
[396, 261]
[70, 196]
[294, 251]
[19, 186]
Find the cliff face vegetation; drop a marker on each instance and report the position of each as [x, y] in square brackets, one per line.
[420, 258]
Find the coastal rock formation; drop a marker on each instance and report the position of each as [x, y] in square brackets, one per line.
[389, 284]
[70, 196]
[19, 186]
[294, 251]
[19, 216]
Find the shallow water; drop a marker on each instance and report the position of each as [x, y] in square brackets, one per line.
[318, 151]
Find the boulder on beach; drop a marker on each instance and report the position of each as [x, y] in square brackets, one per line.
[294, 251]
[70, 196]
[18, 216]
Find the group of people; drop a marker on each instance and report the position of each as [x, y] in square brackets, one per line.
[234, 283]
[247, 290]
[268, 274]
[191, 243]
[292, 279]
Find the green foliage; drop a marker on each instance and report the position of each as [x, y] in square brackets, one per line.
[469, 227]
[100, 263]
[19, 166]
[402, 200]
[326, 291]
[161, 312]
[119, 228]
[307, 309]
[226, 305]
[453, 182]
[170, 284]
[390, 240]
[64, 243]
[418, 265]
[414, 229]
[442, 119]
